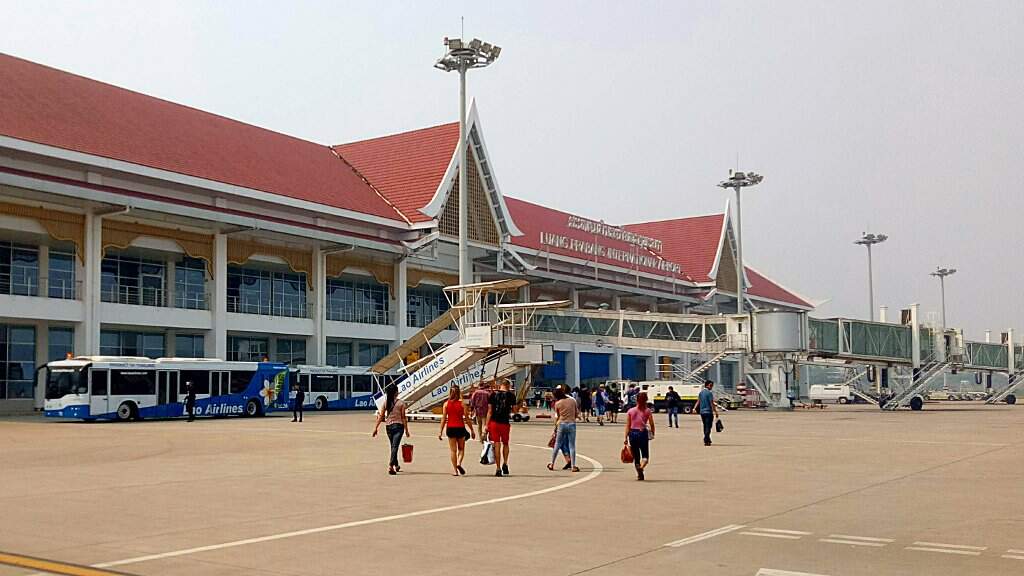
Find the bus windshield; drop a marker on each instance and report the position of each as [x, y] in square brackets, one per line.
[63, 381]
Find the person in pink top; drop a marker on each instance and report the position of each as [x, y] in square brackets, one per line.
[478, 403]
[639, 433]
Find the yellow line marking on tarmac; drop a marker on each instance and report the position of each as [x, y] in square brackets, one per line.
[52, 566]
[598, 468]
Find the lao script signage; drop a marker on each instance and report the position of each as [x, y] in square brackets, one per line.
[614, 232]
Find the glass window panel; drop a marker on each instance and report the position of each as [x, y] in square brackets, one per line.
[60, 342]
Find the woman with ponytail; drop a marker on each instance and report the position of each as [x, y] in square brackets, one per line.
[639, 433]
[396, 424]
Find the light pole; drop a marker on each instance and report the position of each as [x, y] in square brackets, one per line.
[736, 181]
[870, 240]
[941, 273]
[461, 57]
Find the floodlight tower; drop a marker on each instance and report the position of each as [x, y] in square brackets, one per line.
[460, 57]
[941, 274]
[870, 240]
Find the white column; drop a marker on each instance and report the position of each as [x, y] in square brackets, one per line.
[42, 357]
[44, 271]
[574, 296]
[217, 338]
[572, 368]
[615, 370]
[616, 302]
[169, 281]
[883, 313]
[651, 366]
[87, 338]
[401, 308]
[355, 353]
[524, 293]
[317, 353]
[170, 346]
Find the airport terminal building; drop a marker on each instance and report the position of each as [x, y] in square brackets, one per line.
[135, 226]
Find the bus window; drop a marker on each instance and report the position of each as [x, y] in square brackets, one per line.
[362, 384]
[99, 382]
[325, 383]
[200, 380]
[132, 382]
[240, 380]
[62, 381]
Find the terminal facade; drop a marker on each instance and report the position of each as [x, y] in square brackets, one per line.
[133, 226]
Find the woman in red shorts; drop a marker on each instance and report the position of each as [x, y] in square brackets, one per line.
[453, 425]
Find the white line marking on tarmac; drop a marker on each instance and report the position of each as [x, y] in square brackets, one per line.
[778, 531]
[957, 546]
[774, 572]
[852, 542]
[598, 468]
[943, 550]
[865, 538]
[766, 535]
[1013, 557]
[705, 535]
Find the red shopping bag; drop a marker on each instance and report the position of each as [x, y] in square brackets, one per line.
[407, 453]
[626, 455]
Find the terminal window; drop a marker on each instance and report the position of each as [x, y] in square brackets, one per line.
[17, 361]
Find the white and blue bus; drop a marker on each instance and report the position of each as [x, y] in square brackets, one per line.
[129, 388]
[335, 388]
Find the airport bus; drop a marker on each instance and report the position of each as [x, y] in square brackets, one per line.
[131, 388]
[335, 388]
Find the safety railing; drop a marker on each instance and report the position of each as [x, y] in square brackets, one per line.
[134, 295]
[358, 315]
[21, 285]
[285, 308]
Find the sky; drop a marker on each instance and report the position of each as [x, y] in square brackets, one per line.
[903, 118]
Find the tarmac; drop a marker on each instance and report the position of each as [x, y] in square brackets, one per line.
[844, 491]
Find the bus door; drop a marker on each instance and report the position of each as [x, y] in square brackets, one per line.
[346, 387]
[167, 394]
[219, 381]
[99, 397]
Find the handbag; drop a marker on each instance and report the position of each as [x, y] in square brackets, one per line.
[718, 425]
[626, 455]
[551, 441]
[407, 453]
[487, 455]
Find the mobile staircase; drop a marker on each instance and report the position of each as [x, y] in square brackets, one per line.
[913, 395]
[1007, 394]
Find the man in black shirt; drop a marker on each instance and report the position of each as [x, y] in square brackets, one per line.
[300, 399]
[672, 401]
[499, 416]
[190, 401]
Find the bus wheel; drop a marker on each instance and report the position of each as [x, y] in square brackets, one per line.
[252, 408]
[126, 411]
[916, 403]
[842, 400]
[321, 403]
[687, 409]
[1011, 399]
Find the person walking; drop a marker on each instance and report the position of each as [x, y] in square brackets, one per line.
[585, 403]
[499, 418]
[631, 395]
[453, 425]
[600, 404]
[396, 424]
[190, 401]
[707, 409]
[566, 414]
[614, 405]
[672, 401]
[639, 433]
[478, 404]
[300, 399]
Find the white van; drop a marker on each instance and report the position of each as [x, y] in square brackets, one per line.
[839, 393]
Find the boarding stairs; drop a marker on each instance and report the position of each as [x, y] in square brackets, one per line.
[696, 376]
[1007, 393]
[856, 390]
[487, 329]
[496, 365]
[917, 388]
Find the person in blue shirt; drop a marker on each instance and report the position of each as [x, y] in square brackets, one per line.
[707, 409]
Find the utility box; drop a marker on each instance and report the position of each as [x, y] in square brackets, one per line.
[779, 331]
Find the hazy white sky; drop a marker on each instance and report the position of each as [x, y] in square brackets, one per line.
[896, 117]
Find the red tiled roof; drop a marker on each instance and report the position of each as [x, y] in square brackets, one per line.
[56, 108]
[764, 288]
[406, 168]
[690, 242]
